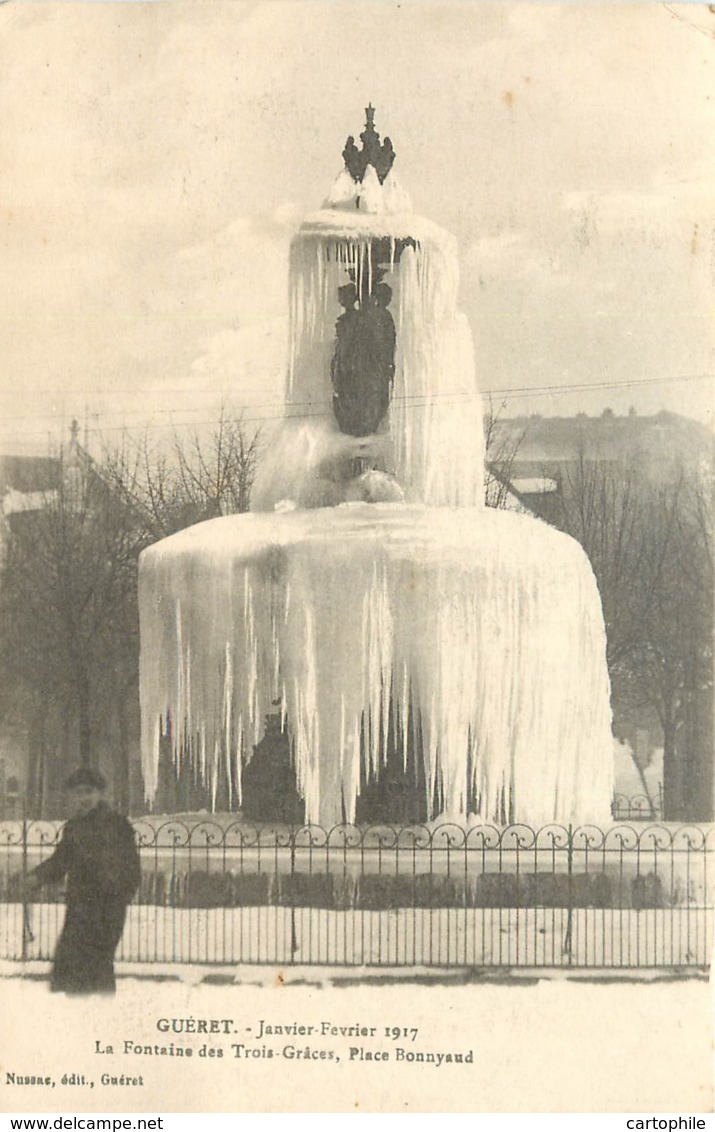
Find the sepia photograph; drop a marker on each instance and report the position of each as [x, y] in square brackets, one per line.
[356, 556]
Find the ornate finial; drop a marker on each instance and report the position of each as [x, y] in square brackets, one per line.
[373, 152]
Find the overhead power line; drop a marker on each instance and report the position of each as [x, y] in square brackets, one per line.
[504, 393]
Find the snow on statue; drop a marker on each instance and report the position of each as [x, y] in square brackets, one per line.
[370, 592]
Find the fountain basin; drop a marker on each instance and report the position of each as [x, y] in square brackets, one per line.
[477, 635]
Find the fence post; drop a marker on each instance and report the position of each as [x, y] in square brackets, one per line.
[568, 938]
[25, 906]
[293, 936]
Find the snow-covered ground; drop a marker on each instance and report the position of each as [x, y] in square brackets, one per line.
[537, 1044]
[467, 937]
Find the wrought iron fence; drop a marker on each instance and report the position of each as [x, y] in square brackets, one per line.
[213, 892]
[638, 808]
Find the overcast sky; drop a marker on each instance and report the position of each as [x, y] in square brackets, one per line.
[156, 158]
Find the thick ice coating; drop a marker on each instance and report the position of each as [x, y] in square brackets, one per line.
[475, 637]
[483, 628]
[432, 440]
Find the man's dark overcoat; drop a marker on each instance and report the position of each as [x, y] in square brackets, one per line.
[98, 855]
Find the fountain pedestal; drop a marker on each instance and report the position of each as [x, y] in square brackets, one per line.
[479, 630]
[471, 638]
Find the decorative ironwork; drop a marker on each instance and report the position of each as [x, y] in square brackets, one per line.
[380, 155]
[638, 808]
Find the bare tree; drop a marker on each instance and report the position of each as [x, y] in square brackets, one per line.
[650, 546]
[501, 448]
[69, 622]
[671, 662]
[602, 508]
[67, 606]
[196, 476]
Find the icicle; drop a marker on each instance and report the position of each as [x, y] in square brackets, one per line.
[435, 424]
[486, 624]
[476, 636]
[228, 693]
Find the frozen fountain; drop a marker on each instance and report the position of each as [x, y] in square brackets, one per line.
[370, 592]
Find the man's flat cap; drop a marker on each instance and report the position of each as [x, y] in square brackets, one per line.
[85, 776]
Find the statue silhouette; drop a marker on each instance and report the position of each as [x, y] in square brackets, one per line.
[363, 365]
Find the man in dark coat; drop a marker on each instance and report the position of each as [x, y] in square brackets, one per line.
[98, 855]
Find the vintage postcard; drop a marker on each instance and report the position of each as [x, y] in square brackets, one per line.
[356, 557]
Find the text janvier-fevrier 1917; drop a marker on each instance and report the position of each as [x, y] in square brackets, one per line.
[271, 1028]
